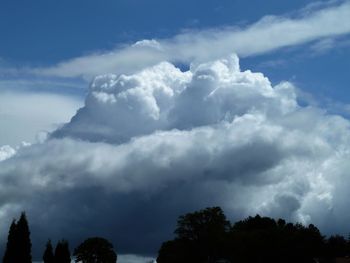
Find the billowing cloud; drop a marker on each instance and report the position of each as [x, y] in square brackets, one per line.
[164, 98]
[318, 22]
[150, 146]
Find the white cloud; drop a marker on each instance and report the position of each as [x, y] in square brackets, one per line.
[160, 98]
[6, 152]
[150, 146]
[323, 45]
[268, 34]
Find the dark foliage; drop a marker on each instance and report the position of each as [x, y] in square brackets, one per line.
[19, 246]
[95, 250]
[337, 246]
[206, 236]
[262, 239]
[48, 256]
[10, 252]
[24, 244]
[200, 237]
[62, 253]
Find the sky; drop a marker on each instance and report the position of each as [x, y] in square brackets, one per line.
[116, 117]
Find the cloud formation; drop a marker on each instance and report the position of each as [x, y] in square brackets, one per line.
[164, 98]
[268, 34]
[150, 146]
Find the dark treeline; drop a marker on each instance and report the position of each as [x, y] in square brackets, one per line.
[207, 236]
[18, 248]
[204, 236]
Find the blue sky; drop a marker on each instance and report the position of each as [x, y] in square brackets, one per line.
[44, 33]
[256, 120]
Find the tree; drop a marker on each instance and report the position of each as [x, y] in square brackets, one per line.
[19, 246]
[200, 237]
[204, 224]
[24, 245]
[337, 246]
[206, 236]
[95, 250]
[10, 252]
[48, 256]
[62, 253]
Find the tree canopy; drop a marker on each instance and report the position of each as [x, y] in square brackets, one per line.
[200, 236]
[206, 236]
[95, 250]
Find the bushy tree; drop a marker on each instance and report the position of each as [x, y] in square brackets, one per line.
[200, 237]
[62, 253]
[95, 250]
[205, 224]
[48, 256]
[206, 236]
[262, 239]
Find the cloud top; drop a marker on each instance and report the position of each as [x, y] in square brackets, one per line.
[162, 97]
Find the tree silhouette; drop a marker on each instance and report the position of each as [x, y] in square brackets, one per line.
[337, 246]
[62, 253]
[95, 250]
[206, 236]
[204, 224]
[262, 239]
[200, 237]
[48, 256]
[19, 246]
[10, 252]
[23, 242]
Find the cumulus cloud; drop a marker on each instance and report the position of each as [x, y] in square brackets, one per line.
[163, 98]
[270, 33]
[150, 146]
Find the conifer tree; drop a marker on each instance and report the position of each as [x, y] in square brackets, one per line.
[10, 252]
[62, 253]
[18, 248]
[23, 243]
[48, 256]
